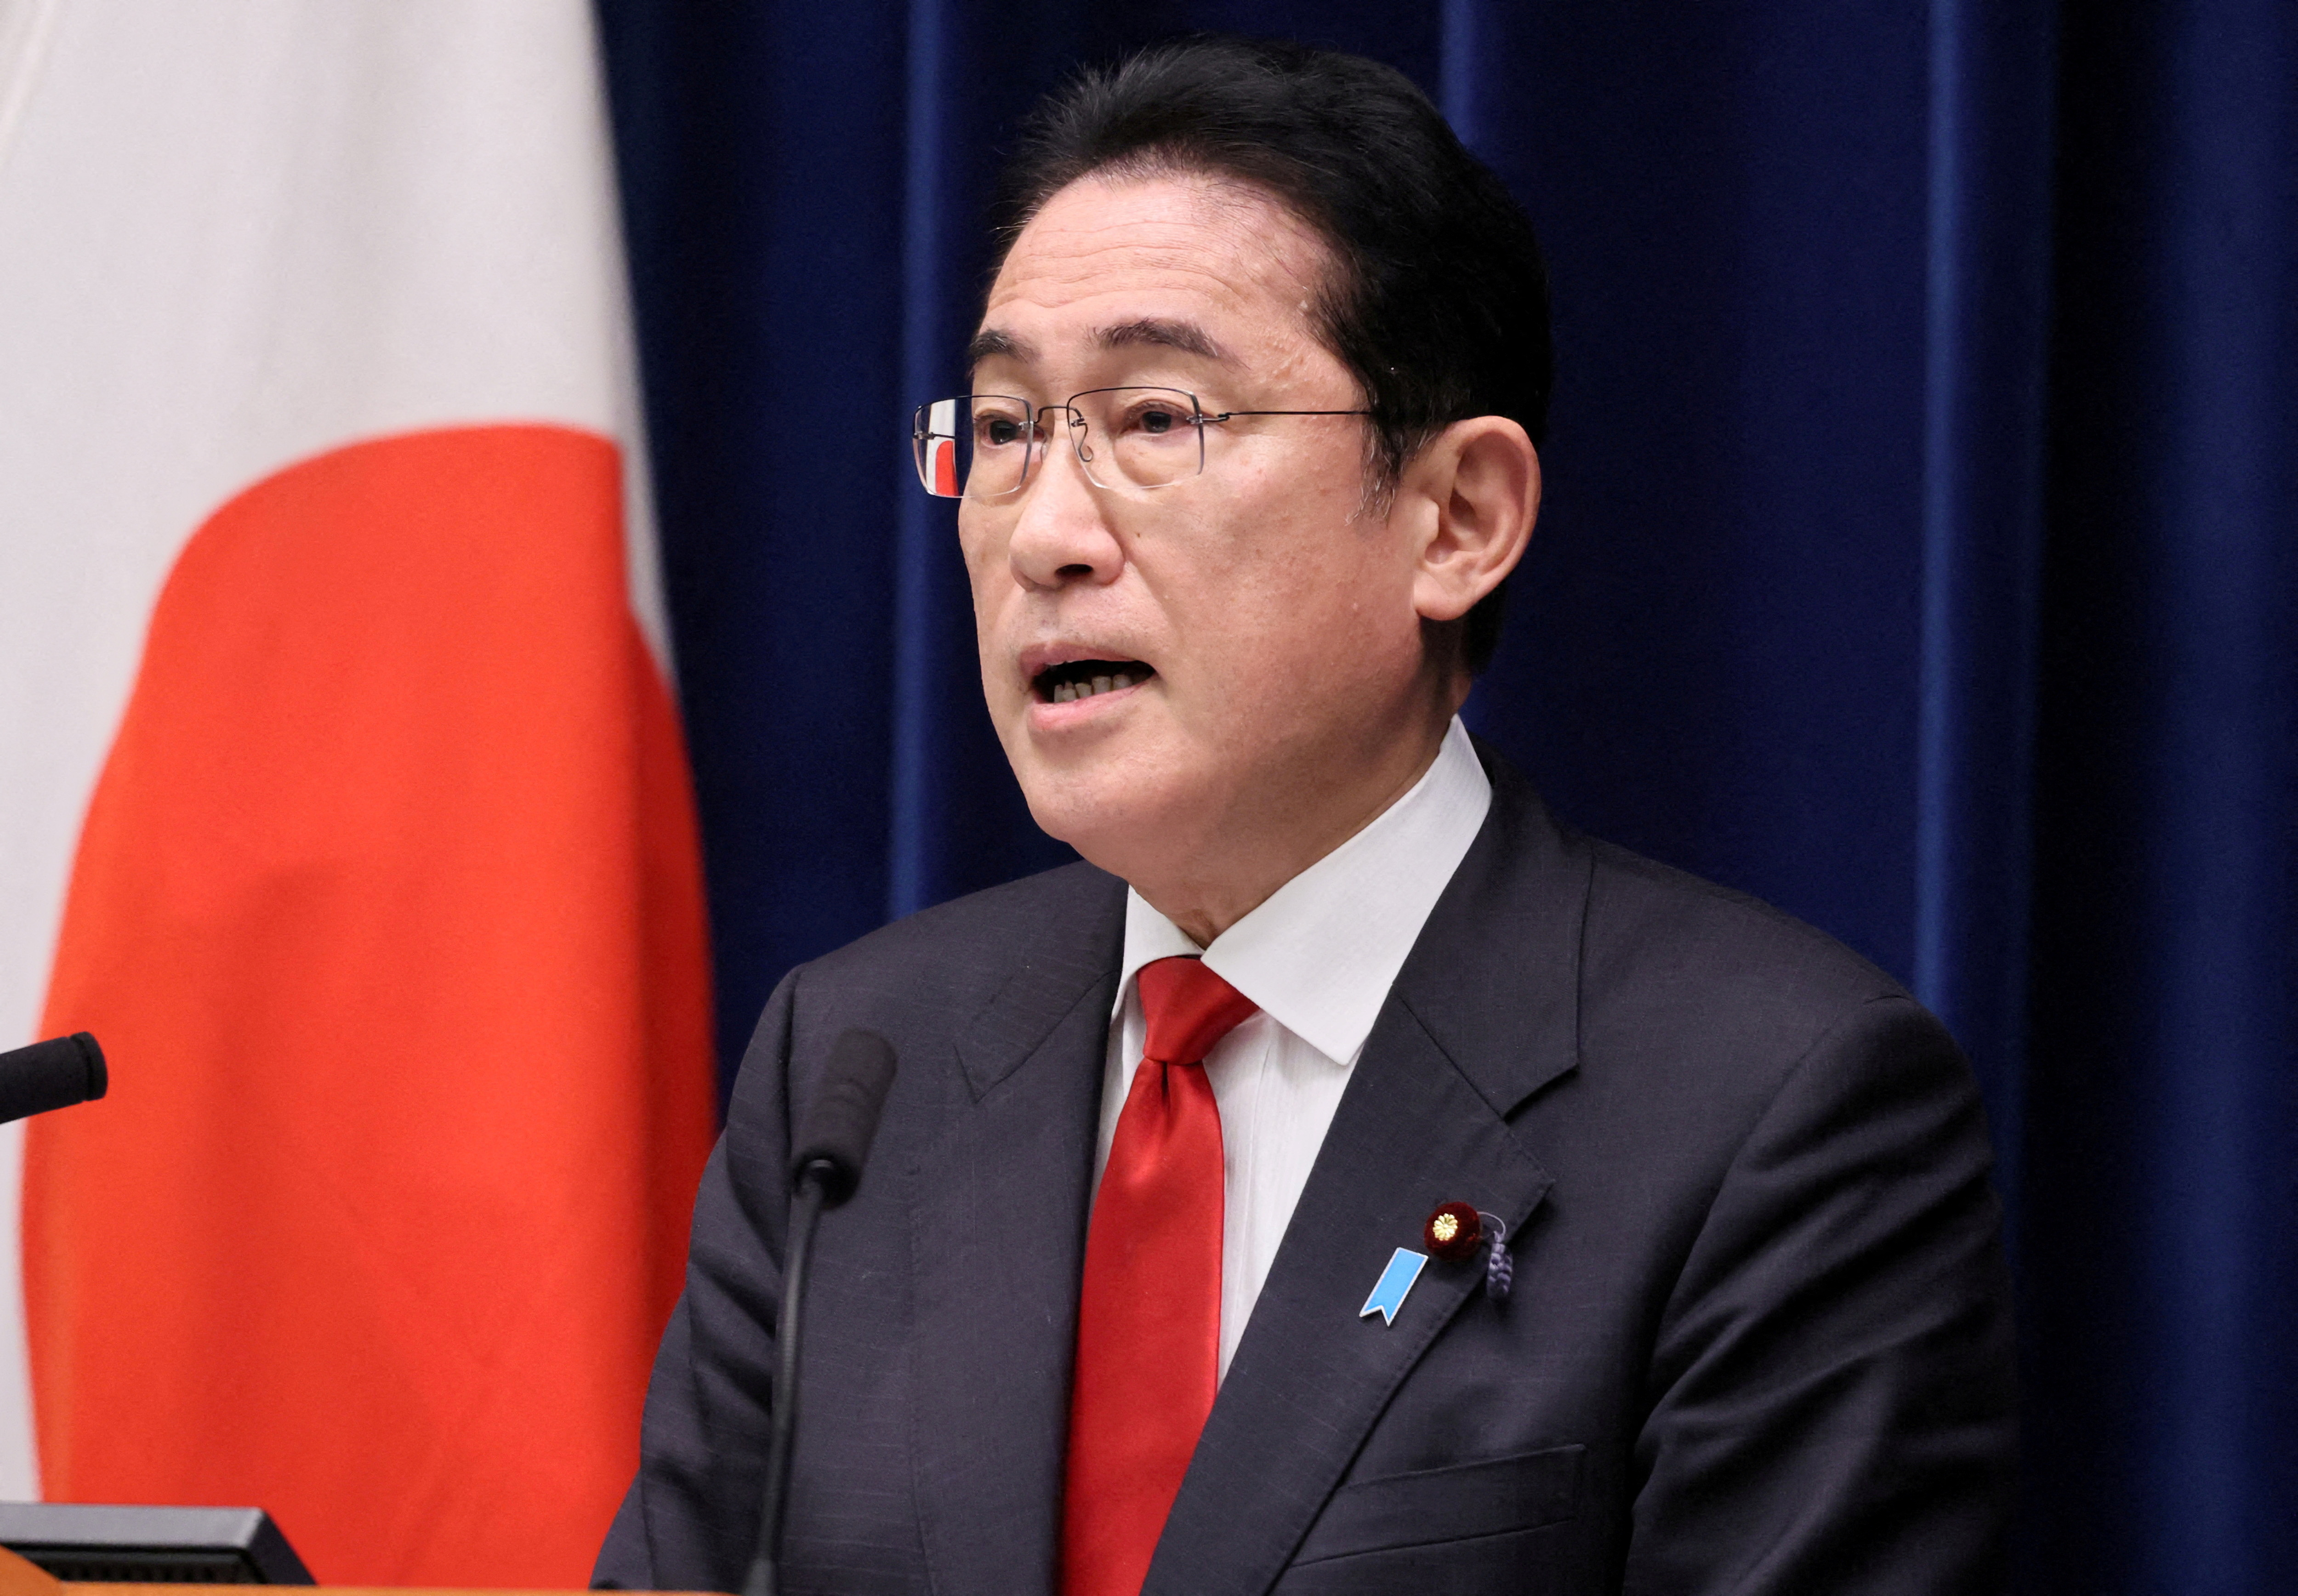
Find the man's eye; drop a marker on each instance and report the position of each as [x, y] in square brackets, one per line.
[1157, 423]
[1000, 432]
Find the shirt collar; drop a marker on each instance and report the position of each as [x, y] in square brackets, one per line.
[1320, 956]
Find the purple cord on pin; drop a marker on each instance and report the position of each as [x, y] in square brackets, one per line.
[1499, 1268]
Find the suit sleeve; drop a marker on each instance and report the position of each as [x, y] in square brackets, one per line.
[1832, 1403]
[690, 1521]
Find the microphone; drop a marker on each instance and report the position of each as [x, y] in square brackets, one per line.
[50, 1074]
[825, 1167]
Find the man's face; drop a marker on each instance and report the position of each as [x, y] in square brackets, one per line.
[1263, 618]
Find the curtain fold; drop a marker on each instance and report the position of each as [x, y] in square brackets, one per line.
[2162, 1226]
[1987, 320]
[1917, 555]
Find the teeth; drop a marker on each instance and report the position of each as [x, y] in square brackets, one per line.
[1068, 692]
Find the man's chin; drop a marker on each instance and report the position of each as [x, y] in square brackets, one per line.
[1110, 810]
[1073, 812]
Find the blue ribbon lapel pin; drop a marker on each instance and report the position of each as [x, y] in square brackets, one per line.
[1404, 1267]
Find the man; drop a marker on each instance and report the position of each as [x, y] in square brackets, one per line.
[1147, 1280]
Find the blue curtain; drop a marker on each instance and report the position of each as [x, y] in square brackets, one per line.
[1918, 555]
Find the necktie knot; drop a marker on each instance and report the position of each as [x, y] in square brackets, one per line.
[1188, 1009]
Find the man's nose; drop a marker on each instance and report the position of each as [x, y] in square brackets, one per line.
[1060, 533]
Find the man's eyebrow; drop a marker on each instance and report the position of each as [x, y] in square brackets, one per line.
[996, 340]
[1186, 336]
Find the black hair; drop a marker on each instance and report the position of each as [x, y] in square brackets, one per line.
[1437, 302]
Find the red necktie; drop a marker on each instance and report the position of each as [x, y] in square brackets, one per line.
[1149, 1316]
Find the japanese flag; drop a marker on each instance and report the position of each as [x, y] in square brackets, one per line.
[341, 795]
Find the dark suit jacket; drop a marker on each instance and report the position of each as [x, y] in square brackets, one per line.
[1758, 1342]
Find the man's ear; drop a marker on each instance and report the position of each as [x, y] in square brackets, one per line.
[1474, 491]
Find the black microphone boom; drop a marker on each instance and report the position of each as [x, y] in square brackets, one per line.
[825, 1167]
[52, 1074]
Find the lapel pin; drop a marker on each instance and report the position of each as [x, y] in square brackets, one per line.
[1404, 1265]
[1455, 1231]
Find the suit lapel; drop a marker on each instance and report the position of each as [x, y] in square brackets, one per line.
[1484, 1014]
[1000, 1226]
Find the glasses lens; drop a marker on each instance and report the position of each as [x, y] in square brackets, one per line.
[985, 445]
[1140, 437]
[978, 446]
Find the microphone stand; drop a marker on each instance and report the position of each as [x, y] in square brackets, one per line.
[826, 1165]
[765, 1573]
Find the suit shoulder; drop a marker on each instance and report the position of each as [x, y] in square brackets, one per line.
[923, 978]
[982, 936]
[1652, 936]
[1702, 1011]
[1665, 951]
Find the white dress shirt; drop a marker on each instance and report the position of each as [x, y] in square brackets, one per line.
[1319, 957]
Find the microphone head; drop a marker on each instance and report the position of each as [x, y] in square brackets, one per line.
[843, 1116]
[50, 1074]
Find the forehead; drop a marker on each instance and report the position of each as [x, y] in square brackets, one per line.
[1105, 256]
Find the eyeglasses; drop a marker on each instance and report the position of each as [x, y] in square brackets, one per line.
[985, 445]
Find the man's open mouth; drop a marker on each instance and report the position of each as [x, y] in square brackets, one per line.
[1075, 678]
